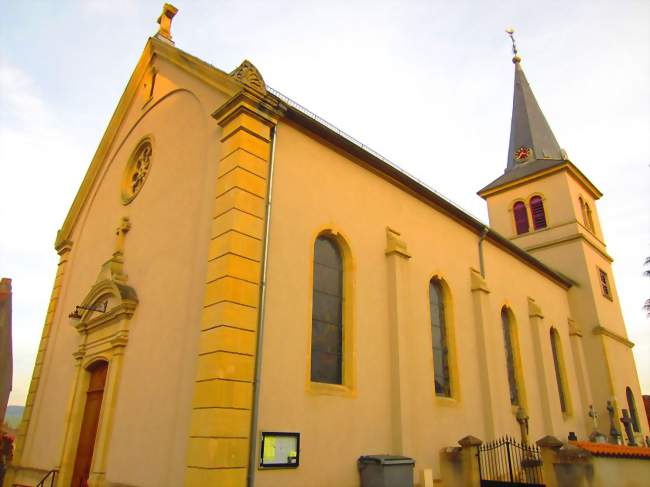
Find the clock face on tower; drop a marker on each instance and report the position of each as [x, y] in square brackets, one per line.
[522, 154]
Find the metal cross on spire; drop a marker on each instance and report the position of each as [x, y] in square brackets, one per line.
[510, 31]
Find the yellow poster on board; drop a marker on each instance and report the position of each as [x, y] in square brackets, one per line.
[269, 449]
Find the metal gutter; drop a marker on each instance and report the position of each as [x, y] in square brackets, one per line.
[252, 456]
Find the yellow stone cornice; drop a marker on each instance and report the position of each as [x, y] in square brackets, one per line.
[601, 330]
[567, 166]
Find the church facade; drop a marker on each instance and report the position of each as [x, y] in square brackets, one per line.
[246, 295]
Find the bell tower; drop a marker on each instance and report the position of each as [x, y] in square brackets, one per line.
[544, 204]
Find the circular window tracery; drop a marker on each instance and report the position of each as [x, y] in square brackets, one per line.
[136, 171]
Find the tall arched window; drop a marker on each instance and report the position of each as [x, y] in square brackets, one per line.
[590, 219]
[510, 357]
[537, 212]
[631, 404]
[521, 217]
[583, 211]
[439, 339]
[558, 364]
[327, 313]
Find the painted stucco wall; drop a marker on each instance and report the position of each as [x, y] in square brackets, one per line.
[317, 188]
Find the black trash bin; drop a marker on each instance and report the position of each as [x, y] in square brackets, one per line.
[386, 471]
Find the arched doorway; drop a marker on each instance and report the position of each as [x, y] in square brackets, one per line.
[92, 409]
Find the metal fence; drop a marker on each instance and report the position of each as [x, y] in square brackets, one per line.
[505, 462]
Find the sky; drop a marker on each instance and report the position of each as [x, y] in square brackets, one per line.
[428, 84]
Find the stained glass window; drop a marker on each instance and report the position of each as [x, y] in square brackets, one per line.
[439, 338]
[555, 347]
[327, 319]
[510, 357]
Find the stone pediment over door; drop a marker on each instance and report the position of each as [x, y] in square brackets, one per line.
[105, 312]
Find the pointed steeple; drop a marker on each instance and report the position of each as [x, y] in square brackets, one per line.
[533, 147]
[531, 138]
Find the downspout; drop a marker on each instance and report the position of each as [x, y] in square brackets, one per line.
[252, 454]
[480, 251]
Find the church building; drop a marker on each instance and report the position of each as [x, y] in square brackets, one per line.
[247, 296]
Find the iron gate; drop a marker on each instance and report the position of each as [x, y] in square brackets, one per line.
[507, 463]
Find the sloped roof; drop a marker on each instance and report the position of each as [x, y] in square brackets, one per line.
[609, 450]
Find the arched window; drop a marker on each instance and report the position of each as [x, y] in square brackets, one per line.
[327, 313]
[439, 339]
[583, 212]
[590, 219]
[558, 364]
[537, 212]
[510, 357]
[521, 217]
[631, 404]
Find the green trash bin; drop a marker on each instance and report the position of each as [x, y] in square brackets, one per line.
[386, 471]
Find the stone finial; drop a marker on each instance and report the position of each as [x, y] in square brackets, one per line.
[549, 442]
[469, 440]
[247, 74]
[165, 21]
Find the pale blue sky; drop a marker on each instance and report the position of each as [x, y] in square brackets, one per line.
[426, 83]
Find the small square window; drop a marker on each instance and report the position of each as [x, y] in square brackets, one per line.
[604, 284]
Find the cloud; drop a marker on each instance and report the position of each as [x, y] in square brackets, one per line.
[38, 163]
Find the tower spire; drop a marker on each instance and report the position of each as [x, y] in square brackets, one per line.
[531, 138]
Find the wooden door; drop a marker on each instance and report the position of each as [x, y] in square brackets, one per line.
[89, 424]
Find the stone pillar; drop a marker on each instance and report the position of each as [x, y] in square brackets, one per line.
[218, 448]
[480, 301]
[63, 249]
[397, 258]
[541, 340]
[471, 473]
[548, 447]
[580, 367]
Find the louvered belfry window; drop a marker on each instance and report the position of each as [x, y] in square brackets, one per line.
[326, 317]
[537, 211]
[521, 217]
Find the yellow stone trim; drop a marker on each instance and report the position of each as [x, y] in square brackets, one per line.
[395, 244]
[221, 422]
[478, 283]
[567, 165]
[222, 477]
[216, 452]
[227, 339]
[245, 160]
[237, 243]
[239, 221]
[601, 330]
[229, 313]
[577, 236]
[222, 393]
[242, 200]
[574, 328]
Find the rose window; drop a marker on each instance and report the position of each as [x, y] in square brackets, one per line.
[136, 171]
